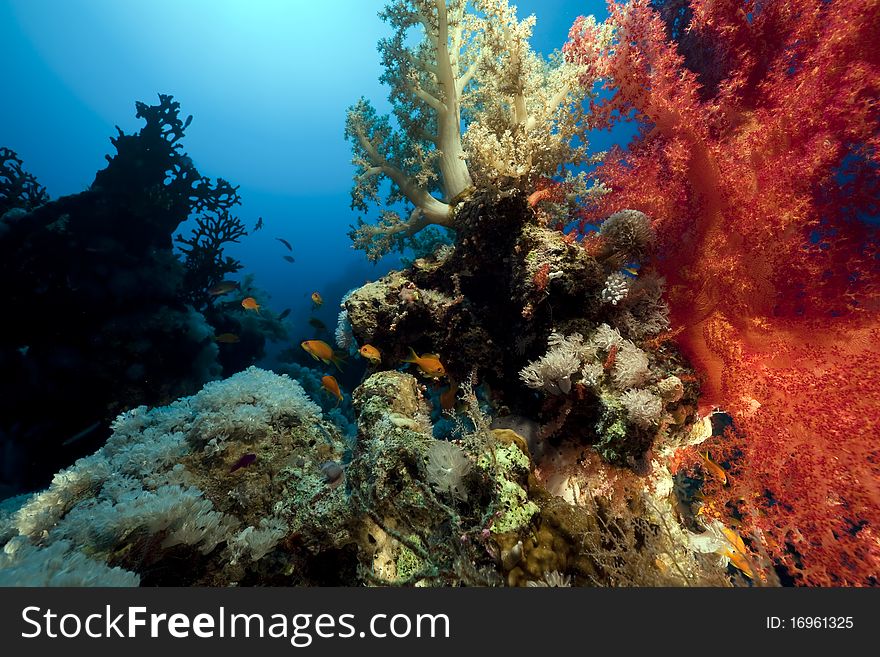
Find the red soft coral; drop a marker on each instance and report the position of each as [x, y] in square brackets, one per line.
[758, 162]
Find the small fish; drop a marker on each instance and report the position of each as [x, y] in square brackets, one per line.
[250, 304]
[189, 120]
[317, 300]
[223, 287]
[448, 396]
[714, 469]
[372, 354]
[429, 364]
[259, 224]
[284, 313]
[330, 384]
[317, 324]
[226, 338]
[320, 350]
[289, 258]
[243, 462]
[285, 243]
[737, 553]
[631, 271]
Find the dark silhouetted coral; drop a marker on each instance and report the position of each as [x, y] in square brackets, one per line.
[18, 188]
[103, 319]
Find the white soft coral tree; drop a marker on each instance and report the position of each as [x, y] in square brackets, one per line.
[525, 116]
[528, 116]
[424, 158]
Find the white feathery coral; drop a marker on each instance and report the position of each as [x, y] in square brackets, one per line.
[605, 337]
[631, 367]
[136, 486]
[447, 466]
[552, 372]
[592, 373]
[256, 543]
[643, 407]
[58, 564]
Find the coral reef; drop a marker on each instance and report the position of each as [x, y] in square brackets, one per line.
[247, 483]
[637, 404]
[485, 308]
[509, 304]
[525, 412]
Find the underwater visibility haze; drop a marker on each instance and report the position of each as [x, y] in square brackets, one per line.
[440, 293]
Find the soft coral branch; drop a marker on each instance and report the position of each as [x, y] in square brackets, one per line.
[525, 117]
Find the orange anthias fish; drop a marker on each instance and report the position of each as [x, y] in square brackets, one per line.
[317, 300]
[737, 553]
[372, 354]
[330, 385]
[250, 303]
[320, 350]
[429, 364]
[714, 469]
[226, 338]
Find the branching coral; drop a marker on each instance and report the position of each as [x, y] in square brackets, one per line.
[18, 188]
[144, 342]
[525, 118]
[528, 121]
[424, 159]
[204, 261]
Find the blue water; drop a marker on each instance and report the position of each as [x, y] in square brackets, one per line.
[267, 82]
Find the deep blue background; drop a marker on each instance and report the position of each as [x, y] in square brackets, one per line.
[267, 81]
